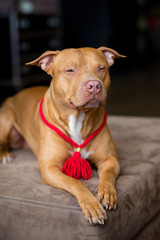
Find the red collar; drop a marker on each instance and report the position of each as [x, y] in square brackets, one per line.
[74, 144]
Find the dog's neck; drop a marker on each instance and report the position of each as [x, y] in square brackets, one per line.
[74, 122]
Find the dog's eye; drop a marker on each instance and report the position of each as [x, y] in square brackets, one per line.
[70, 70]
[102, 68]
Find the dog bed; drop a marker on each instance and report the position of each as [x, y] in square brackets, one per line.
[29, 210]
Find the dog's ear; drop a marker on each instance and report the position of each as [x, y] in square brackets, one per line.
[110, 54]
[45, 60]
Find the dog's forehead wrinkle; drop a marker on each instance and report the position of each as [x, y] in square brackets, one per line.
[86, 65]
[70, 58]
[81, 58]
[92, 59]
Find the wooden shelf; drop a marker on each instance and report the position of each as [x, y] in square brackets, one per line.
[29, 35]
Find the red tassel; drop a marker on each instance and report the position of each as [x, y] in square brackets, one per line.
[77, 167]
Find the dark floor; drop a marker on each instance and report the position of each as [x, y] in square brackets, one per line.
[134, 93]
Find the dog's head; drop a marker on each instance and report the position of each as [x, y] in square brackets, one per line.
[80, 76]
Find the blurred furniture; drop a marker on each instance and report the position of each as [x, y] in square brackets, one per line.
[29, 210]
[29, 28]
[37, 34]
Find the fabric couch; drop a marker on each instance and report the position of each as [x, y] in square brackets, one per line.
[31, 211]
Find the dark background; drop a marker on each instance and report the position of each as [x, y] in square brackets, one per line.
[130, 27]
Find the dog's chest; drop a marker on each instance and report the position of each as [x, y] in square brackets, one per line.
[75, 126]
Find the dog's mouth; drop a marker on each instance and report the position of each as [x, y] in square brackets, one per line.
[92, 103]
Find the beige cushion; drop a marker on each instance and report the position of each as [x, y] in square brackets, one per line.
[29, 210]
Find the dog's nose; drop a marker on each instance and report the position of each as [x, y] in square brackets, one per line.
[93, 86]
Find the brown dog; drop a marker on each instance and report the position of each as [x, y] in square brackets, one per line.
[74, 103]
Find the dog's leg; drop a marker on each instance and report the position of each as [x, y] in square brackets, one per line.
[108, 172]
[92, 209]
[6, 118]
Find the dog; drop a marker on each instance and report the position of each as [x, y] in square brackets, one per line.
[74, 104]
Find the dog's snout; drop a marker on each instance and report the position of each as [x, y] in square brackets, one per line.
[93, 86]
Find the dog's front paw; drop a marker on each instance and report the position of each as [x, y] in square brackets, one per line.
[107, 196]
[92, 209]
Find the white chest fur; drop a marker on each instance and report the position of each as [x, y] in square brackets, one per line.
[75, 126]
